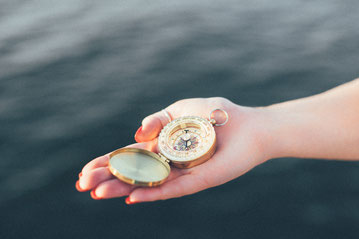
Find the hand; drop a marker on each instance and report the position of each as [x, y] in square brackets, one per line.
[240, 147]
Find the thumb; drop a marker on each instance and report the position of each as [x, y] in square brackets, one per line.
[152, 126]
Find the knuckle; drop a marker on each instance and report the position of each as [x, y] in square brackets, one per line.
[221, 101]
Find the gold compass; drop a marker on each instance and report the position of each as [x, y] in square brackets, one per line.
[185, 142]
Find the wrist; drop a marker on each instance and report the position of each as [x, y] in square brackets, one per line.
[266, 132]
[289, 130]
[276, 129]
[254, 124]
[261, 126]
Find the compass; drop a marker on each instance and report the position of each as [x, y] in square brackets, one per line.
[185, 142]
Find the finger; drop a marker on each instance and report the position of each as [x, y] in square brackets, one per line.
[111, 189]
[152, 126]
[97, 171]
[116, 188]
[98, 162]
[92, 178]
[102, 161]
[183, 185]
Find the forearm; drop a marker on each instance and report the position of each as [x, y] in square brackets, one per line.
[320, 126]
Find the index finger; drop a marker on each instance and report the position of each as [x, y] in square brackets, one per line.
[152, 126]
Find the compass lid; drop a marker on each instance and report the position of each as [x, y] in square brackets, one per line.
[138, 167]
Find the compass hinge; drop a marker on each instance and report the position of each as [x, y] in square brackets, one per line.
[164, 158]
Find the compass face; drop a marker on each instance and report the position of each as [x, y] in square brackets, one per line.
[186, 139]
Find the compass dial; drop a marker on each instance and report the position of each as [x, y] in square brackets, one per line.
[187, 139]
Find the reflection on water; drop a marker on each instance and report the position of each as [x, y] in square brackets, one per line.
[77, 77]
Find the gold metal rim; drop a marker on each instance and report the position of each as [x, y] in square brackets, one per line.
[192, 160]
[196, 161]
[132, 181]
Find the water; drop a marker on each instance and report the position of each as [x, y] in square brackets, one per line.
[77, 78]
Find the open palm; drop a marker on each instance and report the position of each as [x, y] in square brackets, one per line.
[239, 149]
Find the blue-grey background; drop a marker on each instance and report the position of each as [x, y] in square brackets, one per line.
[77, 77]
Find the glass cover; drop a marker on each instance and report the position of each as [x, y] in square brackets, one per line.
[138, 165]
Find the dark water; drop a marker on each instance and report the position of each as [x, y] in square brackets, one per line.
[77, 78]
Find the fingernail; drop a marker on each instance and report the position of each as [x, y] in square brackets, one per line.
[129, 202]
[80, 174]
[137, 132]
[77, 185]
[94, 196]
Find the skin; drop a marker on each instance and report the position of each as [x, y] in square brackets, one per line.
[323, 126]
